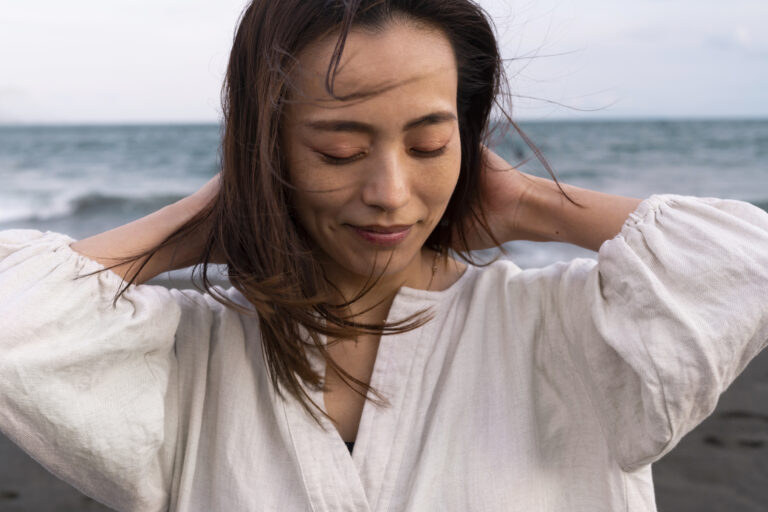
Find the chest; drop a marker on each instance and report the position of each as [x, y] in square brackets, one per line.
[342, 402]
[469, 423]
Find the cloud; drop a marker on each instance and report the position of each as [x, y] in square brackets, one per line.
[740, 40]
[10, 90]
[164, 59]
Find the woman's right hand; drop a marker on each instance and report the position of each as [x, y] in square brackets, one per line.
[130, 240]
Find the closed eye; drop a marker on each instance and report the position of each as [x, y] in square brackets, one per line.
[335, 160]
[428, 154]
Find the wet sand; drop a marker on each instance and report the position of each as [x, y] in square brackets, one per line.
[722, 466]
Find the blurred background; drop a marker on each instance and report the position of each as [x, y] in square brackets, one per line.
[110, 110]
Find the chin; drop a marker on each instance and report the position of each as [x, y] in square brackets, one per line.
[349, 258]
[385, 263]
[380, 263]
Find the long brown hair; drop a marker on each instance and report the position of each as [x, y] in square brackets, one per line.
[251, 225]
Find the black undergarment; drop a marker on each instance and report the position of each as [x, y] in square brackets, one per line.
[350, 445]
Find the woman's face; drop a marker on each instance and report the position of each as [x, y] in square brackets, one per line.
[374, 175]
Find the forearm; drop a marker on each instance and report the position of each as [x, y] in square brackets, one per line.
[131, 239]
[549, 215]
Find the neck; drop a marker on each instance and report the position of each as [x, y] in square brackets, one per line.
[373, 306]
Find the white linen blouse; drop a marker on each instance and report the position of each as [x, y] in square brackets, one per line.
[544, 390]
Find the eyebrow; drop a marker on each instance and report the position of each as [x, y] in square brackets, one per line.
[357, 126]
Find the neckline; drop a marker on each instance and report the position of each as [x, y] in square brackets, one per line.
[434, 295]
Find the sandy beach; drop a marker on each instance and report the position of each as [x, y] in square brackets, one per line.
[722, 466]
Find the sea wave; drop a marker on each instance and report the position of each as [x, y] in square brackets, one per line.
[85, 205]
[99, 204]
[761, 204]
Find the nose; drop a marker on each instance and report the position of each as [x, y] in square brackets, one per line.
[386, 185]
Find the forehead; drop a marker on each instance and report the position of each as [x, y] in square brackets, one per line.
[402, 64]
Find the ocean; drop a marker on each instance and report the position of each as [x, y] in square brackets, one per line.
[81, 180]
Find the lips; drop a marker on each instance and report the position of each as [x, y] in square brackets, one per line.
[385, 229]
[382, 236]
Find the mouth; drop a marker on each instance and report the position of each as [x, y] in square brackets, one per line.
[385, 229]
[385, 236]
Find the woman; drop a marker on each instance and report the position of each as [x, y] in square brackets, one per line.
[352, 161]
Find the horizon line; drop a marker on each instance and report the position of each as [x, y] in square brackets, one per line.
[179, 123]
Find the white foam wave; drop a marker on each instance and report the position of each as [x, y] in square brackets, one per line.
[34, 209]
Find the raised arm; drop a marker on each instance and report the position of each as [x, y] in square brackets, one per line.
[140, 235]
[520, 206]
[546, 214]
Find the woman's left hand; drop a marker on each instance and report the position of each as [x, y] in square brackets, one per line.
[504, 191]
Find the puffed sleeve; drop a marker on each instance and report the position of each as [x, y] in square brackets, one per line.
[673, 311]
[87, 388]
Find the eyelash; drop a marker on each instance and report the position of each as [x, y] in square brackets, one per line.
[341, 161]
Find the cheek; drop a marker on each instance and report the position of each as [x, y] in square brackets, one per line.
[312, 188]
[439, 185]
[313, 207]
[313, 178]
[305, 203]
[319, 207]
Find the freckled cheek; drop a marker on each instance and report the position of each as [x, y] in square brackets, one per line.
[438, 186]
[320, 211]
[306, 202]
[312, 176]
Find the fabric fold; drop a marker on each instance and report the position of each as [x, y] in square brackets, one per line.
[88, 388]
[671, 314]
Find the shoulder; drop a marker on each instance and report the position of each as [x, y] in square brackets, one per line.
[504, 280]
[216, 300]
[209, 316]
[505, 271]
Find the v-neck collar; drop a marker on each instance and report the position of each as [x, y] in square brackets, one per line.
[363, 481]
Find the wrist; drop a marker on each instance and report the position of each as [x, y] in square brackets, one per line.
[548, 215]
[183, 210]
[539, 211]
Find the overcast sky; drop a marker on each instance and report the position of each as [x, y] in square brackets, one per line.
[83, 61]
